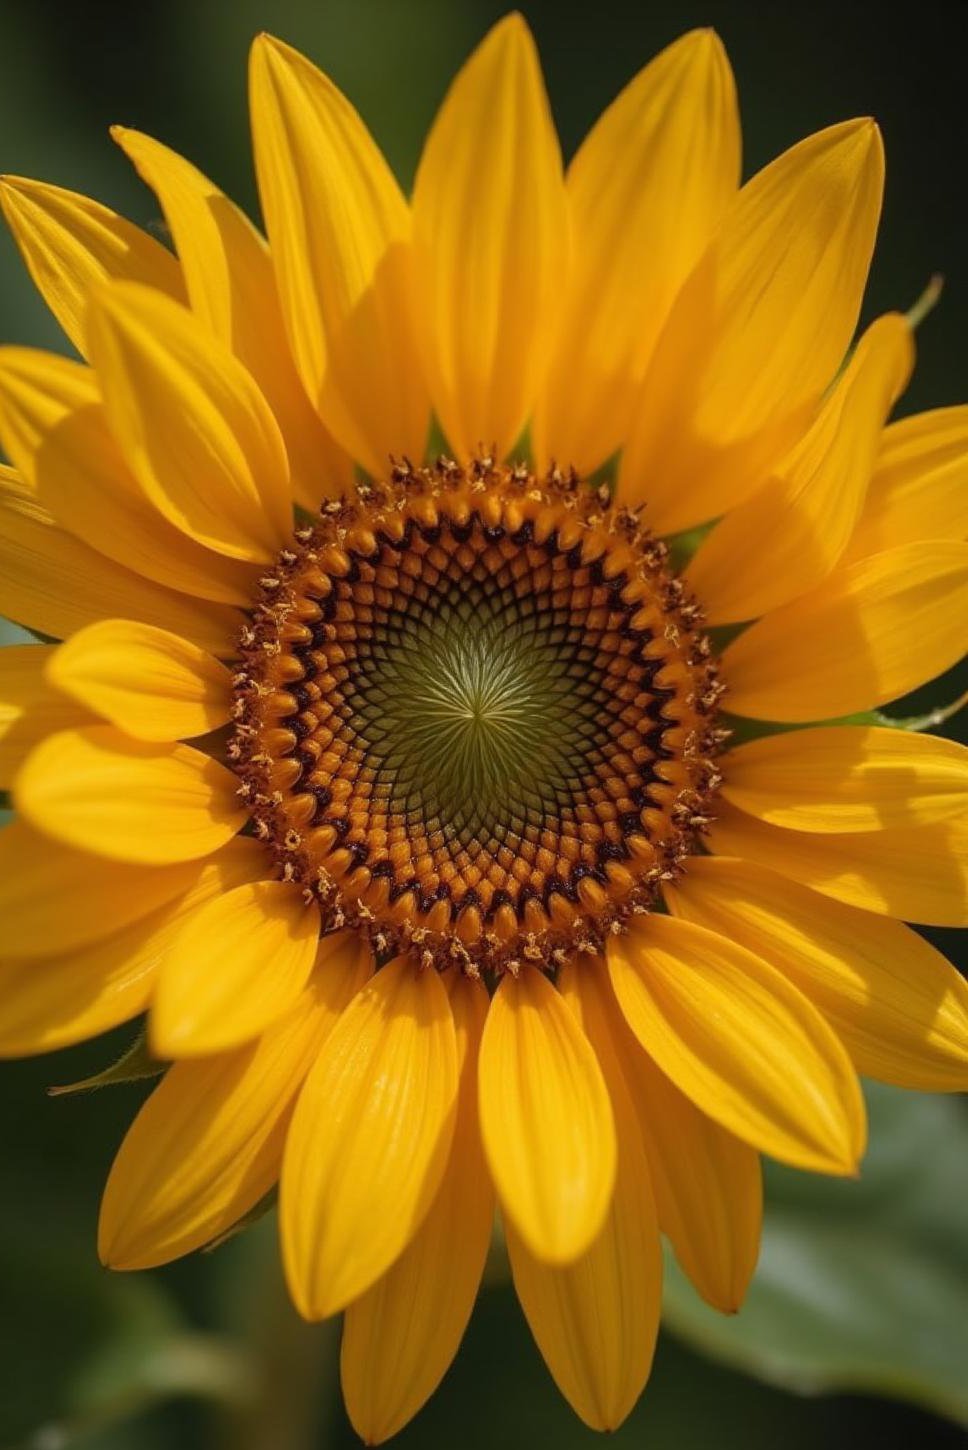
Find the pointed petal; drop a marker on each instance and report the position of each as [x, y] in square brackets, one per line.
[646, 191]
[85, 990]
[595, 1321]
[489, 291]
[849, 778]
[783, 279]
[237, 964]
[208, 1143]
[900, 1008]
[546, 1119]
[749, 1049]
[72, 245]
[100, 791]
[94, 897]
[370, 1139]
[193, 427]
[30, 708]
[53, 426]
[149, 682]
[232, 289]
[916, 873]
[792, 533]
[871, 632]
[400, 1336]
[340, 234]
[918, 490]
[53, 583]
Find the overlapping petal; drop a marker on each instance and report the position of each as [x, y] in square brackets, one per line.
[918, 489]
[30, 707]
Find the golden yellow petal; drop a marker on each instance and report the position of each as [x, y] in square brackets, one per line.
[490, 240]
[546, 1119]
[791, 534]
[918, 489]
[339, 229]
[759, 330]
[72, 245]
[208, 1143]
[400, 1336]
[30, 707]
[737, 1038]
[370, 1139]
[872, 631]
[646, 190]
[149, 682]
[899, 1006]
[98, 790]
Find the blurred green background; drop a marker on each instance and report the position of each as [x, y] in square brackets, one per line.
[863, 1287]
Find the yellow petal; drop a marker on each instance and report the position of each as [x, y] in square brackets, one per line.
[490, 236]
[146, 681]
[193, 427]
[232, 289]
[400, 1336]
[849, 778]
[871, 632]
[370, 1139]
[595, 1321]
[55, 584]
[101, 791]
[646, 191]
[917, 873]
[72, 245]
[53, 426]
[790, 534]
[30, 708]
[918, 489]
[237, 964]
[900, 1008]
[207, 1144]
[85, 990]
[340, 234]
[737, 1038]
[758, 331]
[546, 1119]
[53, 900]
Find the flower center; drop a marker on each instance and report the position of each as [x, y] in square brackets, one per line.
[475, 716]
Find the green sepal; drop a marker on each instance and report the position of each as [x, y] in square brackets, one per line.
[134, 1065]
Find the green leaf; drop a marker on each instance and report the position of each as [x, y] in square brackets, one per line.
[861, 1285]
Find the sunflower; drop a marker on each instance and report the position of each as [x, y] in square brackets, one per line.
[465, 886]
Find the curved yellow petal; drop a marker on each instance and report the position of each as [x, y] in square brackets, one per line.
[237, 964]
[869, 633]
[208, 1143]
[792, 533]
[340, 234]
[900, 1008]
[918, 490]
[99, 790]
[917, 873]
[54, 900]
[737, 1038]
[72, 245]
[193, 427]
[782, 281]
[546, 1119]
[490, 240]
[30, 707]
[85, 990]
[53, 426]
[400, 1336]
[596, 1320]
[232, 289]
[646, 190]
[53, 583]
[370, 1139]
[848, 778]
[149, 682]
